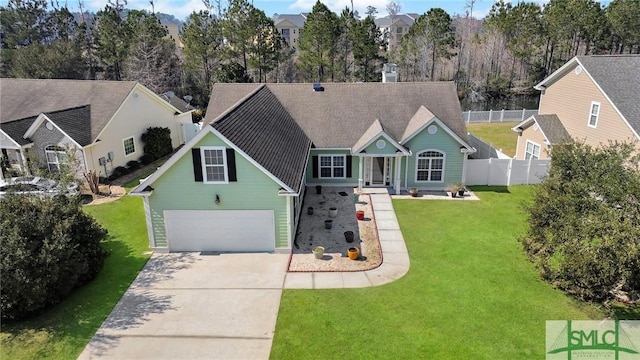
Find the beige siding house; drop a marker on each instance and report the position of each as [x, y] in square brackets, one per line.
[594, 99]
[100, 121]
[290, 27]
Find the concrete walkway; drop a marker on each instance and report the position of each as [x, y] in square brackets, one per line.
[395, 258]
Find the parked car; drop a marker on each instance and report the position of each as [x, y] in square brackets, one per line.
[35, 185]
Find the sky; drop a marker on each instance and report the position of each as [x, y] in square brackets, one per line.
[182, 8]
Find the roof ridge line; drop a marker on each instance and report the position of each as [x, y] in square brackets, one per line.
[238, 103]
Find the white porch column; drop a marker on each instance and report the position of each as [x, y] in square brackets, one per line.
[398, 167]
[23, 162]
[360, 175]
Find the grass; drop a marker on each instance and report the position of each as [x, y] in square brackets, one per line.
[470, 293]
[63, 331]
[499, 135]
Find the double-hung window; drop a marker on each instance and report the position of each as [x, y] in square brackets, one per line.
[532, 151]
[214, 160]
[129, 146]
[593, 114]
[332, 166]
[430, 166]
[56, 156]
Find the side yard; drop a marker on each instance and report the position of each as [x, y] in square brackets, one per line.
[63, 331]
[498, 134]
[470, 293]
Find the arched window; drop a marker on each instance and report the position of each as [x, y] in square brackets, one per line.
[430, 166]
[56, 156]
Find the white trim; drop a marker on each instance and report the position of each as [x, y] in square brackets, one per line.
[344, 166]
[534, 144]
[388, 138]
[224, 164]
[445, 128]
[531, 119]
[10, 139]
[187, 148]
[147, 215]
[597, 114]
[59, 150]
[444, 163]
[124, 147]
[38, 122]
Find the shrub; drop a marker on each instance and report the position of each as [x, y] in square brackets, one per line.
[49, 248]
[145, 159]
[117, 172]
[157, 142]
[133, 165]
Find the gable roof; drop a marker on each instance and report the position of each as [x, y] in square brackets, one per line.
[75, 122]
[408, 19]
[16, 129]
[551, 127]
[22, 98]
[373, 132]
[263, 129]
[338, 116]
[417, 122]
[296, 19]
[616, 75]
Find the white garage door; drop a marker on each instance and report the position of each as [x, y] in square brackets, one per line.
[229, 230]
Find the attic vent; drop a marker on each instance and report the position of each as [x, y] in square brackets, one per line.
[317, 87]
[578, 70]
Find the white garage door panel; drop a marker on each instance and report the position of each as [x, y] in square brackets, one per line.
[218, 230]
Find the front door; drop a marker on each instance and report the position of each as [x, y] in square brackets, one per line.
[377, 171]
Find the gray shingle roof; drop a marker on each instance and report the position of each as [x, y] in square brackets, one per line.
[408, 19]
[76, 122]
[553, 129]
[16, 129]
[296, 19]
[619, 78]
[263, 129]
[419, 119]
[338, 116]
[374, 130]
[22, 98]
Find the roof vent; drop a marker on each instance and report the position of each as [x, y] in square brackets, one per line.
[317, 87]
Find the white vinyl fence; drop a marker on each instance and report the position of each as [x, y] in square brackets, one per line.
[505, 172]
[485, 150]
[497, 115]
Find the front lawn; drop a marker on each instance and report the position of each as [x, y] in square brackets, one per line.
[470, 293]
[63, 331]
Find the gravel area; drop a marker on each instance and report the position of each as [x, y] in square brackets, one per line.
[312, 232]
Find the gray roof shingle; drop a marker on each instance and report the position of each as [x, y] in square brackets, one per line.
[265, 131]
[16, 129]
[23, 98]
[296, 19]
[619, 78]
[75, 122]
[553, 129]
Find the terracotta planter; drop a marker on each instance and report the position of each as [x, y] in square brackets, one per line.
[333, 212]
[353, 253]
[360, 214]
[328, 224]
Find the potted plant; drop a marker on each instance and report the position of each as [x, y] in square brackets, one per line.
[360, 214]
[318, 252]
[461, 188]
[328, 224]
[413, 192]
[353, 253]
[453, 189]
[333, 212]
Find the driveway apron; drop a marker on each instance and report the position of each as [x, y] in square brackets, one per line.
[196, 306]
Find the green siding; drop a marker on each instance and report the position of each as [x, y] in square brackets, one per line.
[254, 190]
[441, 141]
[389, 149]
[353, 180]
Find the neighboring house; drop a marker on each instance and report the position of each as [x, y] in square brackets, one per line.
[238, 185]
[595, 99]
[101, 121]
[290, 27]
[394, 28]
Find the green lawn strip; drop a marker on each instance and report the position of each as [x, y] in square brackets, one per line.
[470, 293]
[499, 135]
[63, 331]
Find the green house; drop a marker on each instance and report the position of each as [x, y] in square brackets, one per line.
[238, 185]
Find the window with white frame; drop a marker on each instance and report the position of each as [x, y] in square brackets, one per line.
[332, 166]
[129, 146]
[594, 113]
[214, 160]
[56, 156]
[532, 151]
[430, 166]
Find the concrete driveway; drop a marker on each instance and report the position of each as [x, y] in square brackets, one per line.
[193, 306]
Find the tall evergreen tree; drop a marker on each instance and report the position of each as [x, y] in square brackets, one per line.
[368, 43]
[317, 44]
[113, 38]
